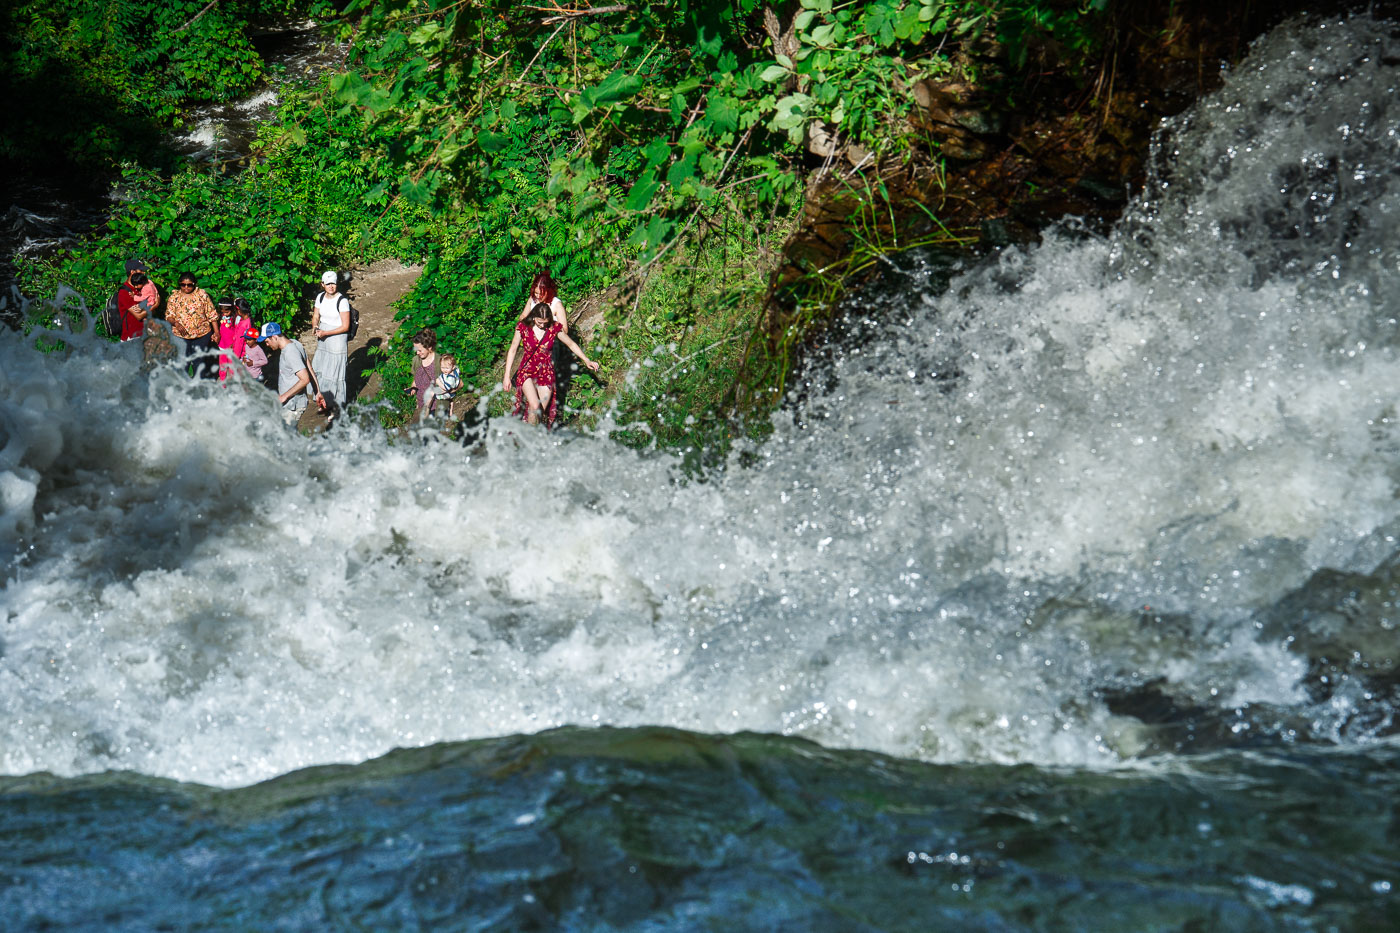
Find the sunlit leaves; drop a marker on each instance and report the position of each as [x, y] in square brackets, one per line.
[615, 87]
[428, 38]
[639, 113]
[643, 190]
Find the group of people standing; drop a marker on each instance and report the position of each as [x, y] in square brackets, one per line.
[540, 331]
[225, 331]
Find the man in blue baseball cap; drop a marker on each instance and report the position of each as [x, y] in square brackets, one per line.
[293, 373]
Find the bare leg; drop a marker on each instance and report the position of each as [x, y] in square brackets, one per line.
[532, 399]
[545, 393]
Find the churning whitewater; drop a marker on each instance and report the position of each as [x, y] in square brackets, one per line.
[947, 550]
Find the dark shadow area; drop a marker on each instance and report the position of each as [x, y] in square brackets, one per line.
[564, 368]
[359, 367]
[58, 128]
[471, 428]
[60, 138]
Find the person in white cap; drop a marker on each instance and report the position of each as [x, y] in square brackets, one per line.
[330, 323]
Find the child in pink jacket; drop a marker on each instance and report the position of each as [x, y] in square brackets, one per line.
[233, 330]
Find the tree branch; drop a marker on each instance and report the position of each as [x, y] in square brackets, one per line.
[561, 14]
[543, 46]
[207, 7]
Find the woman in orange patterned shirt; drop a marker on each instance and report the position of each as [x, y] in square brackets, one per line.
[193, 318]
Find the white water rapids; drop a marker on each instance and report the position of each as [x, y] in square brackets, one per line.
[942, 555]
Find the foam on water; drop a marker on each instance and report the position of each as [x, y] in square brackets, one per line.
[943, 552]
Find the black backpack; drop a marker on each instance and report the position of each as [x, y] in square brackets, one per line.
[112, 314]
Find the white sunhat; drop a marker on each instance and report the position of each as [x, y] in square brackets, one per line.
[329, 278]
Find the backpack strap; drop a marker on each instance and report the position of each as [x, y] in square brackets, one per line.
[341, 305]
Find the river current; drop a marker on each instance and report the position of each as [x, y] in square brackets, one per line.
[1078, 563]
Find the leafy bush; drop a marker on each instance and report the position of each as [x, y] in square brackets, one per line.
[125, 71]
[265, 233]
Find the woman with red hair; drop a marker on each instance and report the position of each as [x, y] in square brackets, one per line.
[544, 291]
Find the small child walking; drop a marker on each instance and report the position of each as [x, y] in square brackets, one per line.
[253, 356]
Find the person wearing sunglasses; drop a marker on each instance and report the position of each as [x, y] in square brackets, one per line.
[194, 319]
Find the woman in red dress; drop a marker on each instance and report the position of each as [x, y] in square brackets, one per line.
[534, 380]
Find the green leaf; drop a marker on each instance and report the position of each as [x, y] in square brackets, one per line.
[641, 194]
[657, 230]
[774, 73]
[492, 142]
[656, 152]
[710, 45]
[791, 111]
[427, 37]
[723, 113]
[681, 170]
[615, 87]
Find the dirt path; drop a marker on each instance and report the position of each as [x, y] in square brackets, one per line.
[373, 291]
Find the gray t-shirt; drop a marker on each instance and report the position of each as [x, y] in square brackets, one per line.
[293, 361]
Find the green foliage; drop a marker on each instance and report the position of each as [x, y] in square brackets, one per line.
[671, 357]
[125, 70]
[490, 139]
[644, 113]
[265, 234]
[593, 141]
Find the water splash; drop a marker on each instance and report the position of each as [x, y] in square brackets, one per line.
[1048, 516]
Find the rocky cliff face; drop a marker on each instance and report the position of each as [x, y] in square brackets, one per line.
[993, 162]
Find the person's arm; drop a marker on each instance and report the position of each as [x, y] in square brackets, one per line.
[557, 307]
[510, 361]
[303, 378]
[315, 384]
[127, 303]
[316, 317]
[578, 352]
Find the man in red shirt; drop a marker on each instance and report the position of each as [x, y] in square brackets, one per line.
[133, 313]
